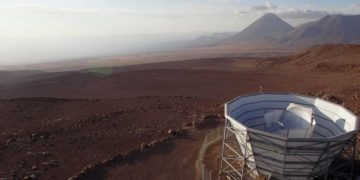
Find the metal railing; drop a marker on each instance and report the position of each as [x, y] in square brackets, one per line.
[212, 137]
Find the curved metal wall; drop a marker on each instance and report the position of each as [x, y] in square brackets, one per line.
[283, 157]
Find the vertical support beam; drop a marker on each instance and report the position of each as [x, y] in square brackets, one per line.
[223, 146]
[231, 157]
[245, 152]
[353, 155]
[234, 156]
[327, 164]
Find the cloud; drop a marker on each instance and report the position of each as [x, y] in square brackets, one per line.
[217, 8]
[285, 12]
[302, 14]
[355, 5]
[65, 11]
[266, 6]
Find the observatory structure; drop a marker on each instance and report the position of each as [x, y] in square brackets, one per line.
[286, 136]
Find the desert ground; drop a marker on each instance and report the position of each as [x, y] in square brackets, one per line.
[148, 121]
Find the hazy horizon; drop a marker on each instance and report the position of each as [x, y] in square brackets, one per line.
[41, 31]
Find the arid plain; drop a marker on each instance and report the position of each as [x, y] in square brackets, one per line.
[148, 121]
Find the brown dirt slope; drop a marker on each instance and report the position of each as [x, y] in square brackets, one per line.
[324, 58]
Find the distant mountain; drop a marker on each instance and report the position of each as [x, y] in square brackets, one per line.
[16, 77]
[344, 29]
[271, 31]
[211, 39]
[266, 27]
[12, 76]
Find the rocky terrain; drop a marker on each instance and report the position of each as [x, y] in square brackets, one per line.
[56, 138]
[148, 121]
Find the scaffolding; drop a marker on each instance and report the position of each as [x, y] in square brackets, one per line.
[234, 162]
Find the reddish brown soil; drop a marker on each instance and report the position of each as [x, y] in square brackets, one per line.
[73, 133]
[330, 58]
[212, 159]
[99, 114]
[174, 161]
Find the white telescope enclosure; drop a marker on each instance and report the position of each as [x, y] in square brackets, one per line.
[289, 136]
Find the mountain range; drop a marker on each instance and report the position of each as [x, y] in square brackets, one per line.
[339, 29]
[208, 40]
[270, 30]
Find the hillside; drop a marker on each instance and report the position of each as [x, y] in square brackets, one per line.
[341, 29]
[323, 58]
[267, 26]
[211, 39]
[157, 78]
[13, 76]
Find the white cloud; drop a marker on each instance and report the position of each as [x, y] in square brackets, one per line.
[269, 5]
[285, 12]
[265, 7]
[48, 9]
[355, 5]
[294, 13]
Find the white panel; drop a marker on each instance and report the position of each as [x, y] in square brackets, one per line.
[253, 122]
[342, 123]
[276, 105]
[318, 111]
[323, 131]
[331, 126]
[299, 168]
[324, 105]
[268, 162]
[233, 105]
[246, 108]
[254, 98]
[246, 149]
[265, 139]
[301, 158]
[350, 123]
[315, 135]
[303, 100]
[245, 100]
[259, 127]
[344, 137]
[302, 133]
[268, 153]
[272, 117]
[277, 97]
[291, 144]
[268, 167]
[236, 124]
[251, 114]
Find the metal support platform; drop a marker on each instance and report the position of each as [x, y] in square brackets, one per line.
[234, 163]
[251, 149]
[236, 159]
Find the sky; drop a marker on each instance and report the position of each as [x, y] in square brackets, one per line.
[25, 23]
